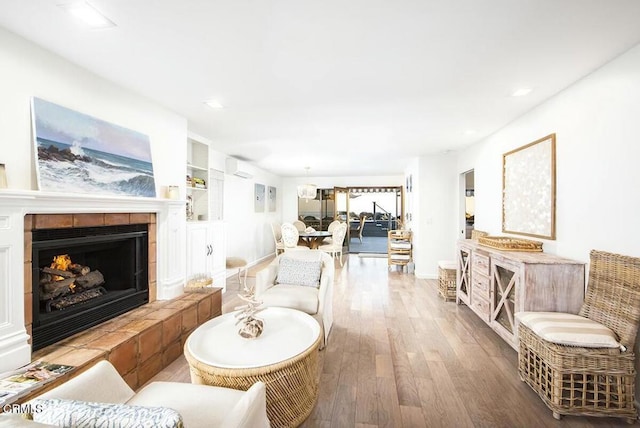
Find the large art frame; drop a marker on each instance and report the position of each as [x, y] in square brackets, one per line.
[529, 189]
[78, 153]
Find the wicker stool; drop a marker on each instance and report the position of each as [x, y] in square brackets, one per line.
[240, 264]
[447, 279]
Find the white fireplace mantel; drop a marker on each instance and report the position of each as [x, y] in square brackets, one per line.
[15, 350]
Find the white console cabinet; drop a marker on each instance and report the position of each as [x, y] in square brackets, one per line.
[497, 284]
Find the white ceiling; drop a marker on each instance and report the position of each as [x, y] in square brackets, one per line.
[346, 87]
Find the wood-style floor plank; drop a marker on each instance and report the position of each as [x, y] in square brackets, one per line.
[400, 356]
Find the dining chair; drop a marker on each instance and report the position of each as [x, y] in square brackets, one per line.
[330, 228]
[300, 226]
[277, 237]
[290, 237]
[358, 230]
[335, 248]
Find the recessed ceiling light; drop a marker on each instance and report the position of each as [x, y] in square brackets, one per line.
[214, 104]
[521, 92]
[88, 14]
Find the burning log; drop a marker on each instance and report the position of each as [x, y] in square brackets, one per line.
[79, 269]
[56, 285]
[63, 278]
[45, 278]
[57, 288]
[59, 272]
[90, 280]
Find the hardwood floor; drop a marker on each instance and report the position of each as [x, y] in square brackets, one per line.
[399, 356]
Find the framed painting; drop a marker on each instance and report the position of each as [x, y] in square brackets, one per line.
[529, 189]
[78, 153]
[271, 197]
[259, 198]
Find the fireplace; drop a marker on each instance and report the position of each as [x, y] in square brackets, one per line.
[102, 272]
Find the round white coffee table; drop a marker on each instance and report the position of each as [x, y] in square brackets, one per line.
[284, 357]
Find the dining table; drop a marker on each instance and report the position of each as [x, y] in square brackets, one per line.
[314, 238]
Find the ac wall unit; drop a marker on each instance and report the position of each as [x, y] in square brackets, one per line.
[236, 167]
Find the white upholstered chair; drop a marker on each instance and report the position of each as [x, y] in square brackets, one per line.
[330, 228]
[277, 237]
[290, 237]
[299, 224]
[315, 301]
[335, 248]
[199, 405]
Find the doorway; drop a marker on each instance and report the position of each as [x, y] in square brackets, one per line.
[467, 204]
[372, 212]
[369, 211]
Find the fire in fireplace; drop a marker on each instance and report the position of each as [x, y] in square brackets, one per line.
[65, 284]
[84, 276]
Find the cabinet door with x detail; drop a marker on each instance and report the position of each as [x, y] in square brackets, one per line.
[505, 285]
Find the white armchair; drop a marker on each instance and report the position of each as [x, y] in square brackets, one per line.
[317, 302]
[198, 405]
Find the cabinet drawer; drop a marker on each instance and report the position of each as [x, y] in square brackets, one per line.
[481, 307]
[480, 263]
[480, 286]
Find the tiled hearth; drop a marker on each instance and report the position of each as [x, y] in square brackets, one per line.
[139, 343]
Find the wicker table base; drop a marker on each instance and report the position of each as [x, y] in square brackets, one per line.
[292, 384]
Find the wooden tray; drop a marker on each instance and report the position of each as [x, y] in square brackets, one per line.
[506, 243]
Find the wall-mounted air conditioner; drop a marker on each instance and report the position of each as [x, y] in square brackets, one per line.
[237, 167]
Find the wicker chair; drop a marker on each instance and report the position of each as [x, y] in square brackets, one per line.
[578, 380]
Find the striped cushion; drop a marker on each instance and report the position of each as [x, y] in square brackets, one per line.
[569, 329]
[83, 414]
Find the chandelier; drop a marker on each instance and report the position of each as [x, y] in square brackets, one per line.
[307, 191]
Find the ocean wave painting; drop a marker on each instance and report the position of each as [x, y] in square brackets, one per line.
[78, 153]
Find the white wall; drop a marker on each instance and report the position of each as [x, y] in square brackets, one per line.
[27, 70]
[248, 232]
[432, 204]
[597, 153]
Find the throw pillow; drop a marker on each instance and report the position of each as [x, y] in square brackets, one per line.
[83, 414]
[299, 272]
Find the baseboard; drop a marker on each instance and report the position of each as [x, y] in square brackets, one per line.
[425, 275]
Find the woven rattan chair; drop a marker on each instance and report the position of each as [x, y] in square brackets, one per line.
[579, 380]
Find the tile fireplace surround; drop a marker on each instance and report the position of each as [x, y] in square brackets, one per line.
[15, 251]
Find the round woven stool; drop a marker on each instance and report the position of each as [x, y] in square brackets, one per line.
[240, 264]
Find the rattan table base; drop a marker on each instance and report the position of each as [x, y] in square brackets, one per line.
[292, 385]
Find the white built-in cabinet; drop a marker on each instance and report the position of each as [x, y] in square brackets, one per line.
[206, 244]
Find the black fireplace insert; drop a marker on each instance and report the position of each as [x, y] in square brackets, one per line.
[84, 276]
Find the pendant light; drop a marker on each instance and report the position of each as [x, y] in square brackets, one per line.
[307, 191]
